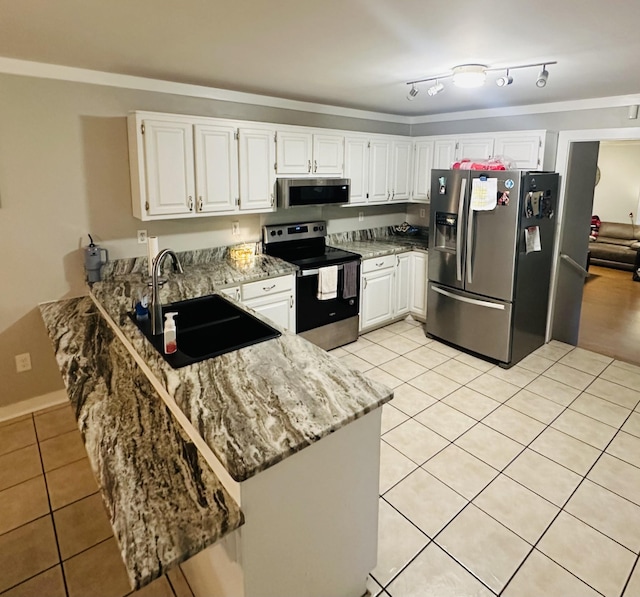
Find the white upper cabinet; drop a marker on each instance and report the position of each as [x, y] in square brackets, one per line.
[168, 165]
[401, 170]
[422, 163]
[379, 188]
[444, 153]
[309, 153]
[216, 154]
[356, 168]
[474, 147]
[530, 150]
[257, 156]
[294, 152]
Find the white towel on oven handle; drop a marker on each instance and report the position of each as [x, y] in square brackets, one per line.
[327, 282]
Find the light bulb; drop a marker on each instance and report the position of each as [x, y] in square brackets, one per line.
[504, 81]
[412, 93]
[435, 89]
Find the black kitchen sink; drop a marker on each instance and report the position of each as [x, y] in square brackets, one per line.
[207, 327]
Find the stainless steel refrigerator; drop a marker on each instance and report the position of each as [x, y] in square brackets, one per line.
[490, 257]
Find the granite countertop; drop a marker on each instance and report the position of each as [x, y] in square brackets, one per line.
[291, 392]
[379, 242]
[164, 502]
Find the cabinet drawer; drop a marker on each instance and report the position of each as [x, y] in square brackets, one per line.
[266, 287]
[377, 263]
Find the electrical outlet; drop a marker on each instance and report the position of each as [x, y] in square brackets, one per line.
[235, 228]
[23, 362]
[360, 216]
[423, 213]
[142, 237]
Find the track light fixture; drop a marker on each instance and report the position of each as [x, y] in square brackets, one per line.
[474, 75]
[504, 81]
[412, 93]
[542, 77]
[435, 89]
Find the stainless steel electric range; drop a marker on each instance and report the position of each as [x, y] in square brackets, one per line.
[332, 322]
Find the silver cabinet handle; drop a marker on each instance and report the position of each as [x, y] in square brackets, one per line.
[308, 165]
[380, 264]
[200, 203]
[291, 302]
[268, 288]
[190, 203]
[315, 165]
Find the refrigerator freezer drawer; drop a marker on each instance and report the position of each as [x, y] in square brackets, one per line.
[472, 322]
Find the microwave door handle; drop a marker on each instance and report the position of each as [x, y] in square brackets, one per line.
[463, 188]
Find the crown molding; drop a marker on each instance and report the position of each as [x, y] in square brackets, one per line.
[12, 66]
[568, 106]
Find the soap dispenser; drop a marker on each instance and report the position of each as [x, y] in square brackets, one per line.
[170, 343]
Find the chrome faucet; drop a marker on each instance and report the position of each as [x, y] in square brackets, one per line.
[157, 325]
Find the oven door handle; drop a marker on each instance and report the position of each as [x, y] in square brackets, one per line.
[313, 272]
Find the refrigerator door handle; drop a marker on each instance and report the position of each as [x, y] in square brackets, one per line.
[470, 245]
[463, 189]
[465, 299]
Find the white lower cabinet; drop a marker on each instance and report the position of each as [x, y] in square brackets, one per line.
[404, 281]
[393, 286]
[272, 297]
[377, 300]
[418, 294]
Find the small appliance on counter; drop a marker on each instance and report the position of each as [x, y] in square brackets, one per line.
[94, 258]
[327, 283]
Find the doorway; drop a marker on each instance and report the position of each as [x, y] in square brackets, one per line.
[565, 318]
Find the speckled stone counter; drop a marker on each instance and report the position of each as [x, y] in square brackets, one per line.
[257, 405]
[377, 242]
[164, 502]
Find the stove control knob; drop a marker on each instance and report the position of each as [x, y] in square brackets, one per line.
[279, 232]
[315, 229]
[273, 233]
[321, 227]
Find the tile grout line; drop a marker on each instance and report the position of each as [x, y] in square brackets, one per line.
[53, 522]
[547, 425]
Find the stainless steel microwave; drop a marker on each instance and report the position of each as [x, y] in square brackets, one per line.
[298, 192]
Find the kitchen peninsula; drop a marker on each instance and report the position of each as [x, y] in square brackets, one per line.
[281, 434]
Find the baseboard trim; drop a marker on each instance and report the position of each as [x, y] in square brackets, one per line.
[25, 407]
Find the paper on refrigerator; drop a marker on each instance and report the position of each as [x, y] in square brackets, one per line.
[484, 194]
[532, 239]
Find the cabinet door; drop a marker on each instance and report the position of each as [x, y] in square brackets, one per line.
[168, 152]
[216, 168]
[379, 154]
[257, 174]
[293, 153]
[444, 153]
[377, 298]
[418, 293]
[356, 167]
[278, 308]
[328, 154]
[401, 170]
[475, 148]
[422, 164]
[232, 292]
[524, 150]
[404, 284]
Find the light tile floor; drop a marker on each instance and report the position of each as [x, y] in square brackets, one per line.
[522, 482]
[55, 536]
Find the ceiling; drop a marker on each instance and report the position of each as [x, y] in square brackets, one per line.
[349, 53]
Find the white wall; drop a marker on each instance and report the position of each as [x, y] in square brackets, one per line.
[617, 193]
